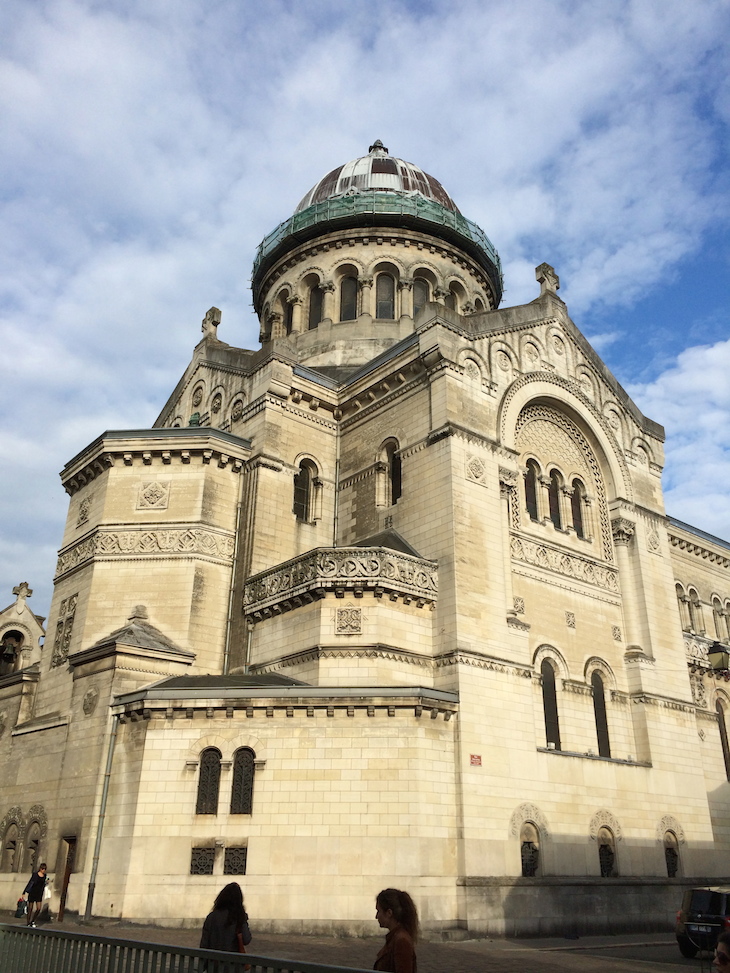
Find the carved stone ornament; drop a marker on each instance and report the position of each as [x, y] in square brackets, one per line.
[14, 816]
[653, 542]
[519, 605]
[476, 470]
[197, 396]
[604, 819]
[699, 693]
[348, 621]
[570, 619]
[547, 279]
[91, 698]
[616, 633]
[525, 813]
[237, 410]
[154, 495]
[569, 565]
[217, 402]
[503, 361]
[670, 823]
[37, 815]
[64, 630]
[531, 353]
[472, 371]
[147, 543]
[508, 477]
[558, 345]
[622, 529]
[83, 511]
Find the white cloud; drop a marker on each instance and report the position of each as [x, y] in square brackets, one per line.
[147, 148]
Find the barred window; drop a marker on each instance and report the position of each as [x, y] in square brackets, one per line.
[234, 862]
[201, 861]
[607, 853]
[242, 790]
[209, 781]
[529, 850]
[8, 863]
[671, 854]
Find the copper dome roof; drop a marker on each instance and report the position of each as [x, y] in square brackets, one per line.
[378, 171]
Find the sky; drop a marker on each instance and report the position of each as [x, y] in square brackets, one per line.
[148, 147]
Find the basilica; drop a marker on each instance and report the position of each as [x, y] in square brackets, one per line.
[390, 600]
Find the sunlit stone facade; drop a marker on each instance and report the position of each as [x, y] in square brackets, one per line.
[392, 600]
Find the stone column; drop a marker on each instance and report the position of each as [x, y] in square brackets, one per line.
[328, 301]
[405, 286]
[623, 533]
[276, 320]
[296, 314]
[366, 288]
[440, 295]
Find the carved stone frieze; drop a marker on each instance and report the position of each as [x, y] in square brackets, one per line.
[670, 823]
[525, 813]
[153, 495]
[697, 648]
[604, 819]
[561, 562]
[622, 530]
[476, 470]
[146, 543]
[378, 569]
[704, 552]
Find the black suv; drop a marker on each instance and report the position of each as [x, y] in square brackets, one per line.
[704, 914]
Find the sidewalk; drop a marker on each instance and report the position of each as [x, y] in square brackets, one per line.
[467, 956]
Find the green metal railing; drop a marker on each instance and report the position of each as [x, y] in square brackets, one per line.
[24, 950]
[365, 207]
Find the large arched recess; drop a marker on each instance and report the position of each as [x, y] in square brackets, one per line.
[557, 392]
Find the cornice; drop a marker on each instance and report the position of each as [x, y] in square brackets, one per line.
[692, 547]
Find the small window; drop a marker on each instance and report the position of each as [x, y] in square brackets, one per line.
[234, 861]
[8, 862]
[607, 853]
[695, 613]
[720, 618]
[348, 299]
[554, 489]
[209, 781]
[288, 316]
[304, 485]
[550, 706]
[385, 296]
[478, 305]
[577, 503]
[315, 307]
[683, 605]
[10, 652]
[599, 712]
[394, 471]
[202, 861]
[529, 850]
[450, 301]
[243, 773]
[671, 854]
[531, 480]
[421, 294]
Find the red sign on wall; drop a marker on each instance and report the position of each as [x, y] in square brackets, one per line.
[475, 759]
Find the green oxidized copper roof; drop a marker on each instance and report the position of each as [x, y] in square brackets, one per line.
[379, 208]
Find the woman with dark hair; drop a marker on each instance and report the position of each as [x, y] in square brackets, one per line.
[396, 912]
[721, 962]
[226, 927]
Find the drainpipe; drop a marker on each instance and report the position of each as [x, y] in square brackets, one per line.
[102, 814]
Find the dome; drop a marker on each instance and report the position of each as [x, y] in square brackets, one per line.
[378, 171]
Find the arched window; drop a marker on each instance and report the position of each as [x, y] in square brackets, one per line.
[385, 296]
[697, 621]
[348, 299]
[599, 712]
[450, 300]
[10, 652]
[394, 471]
[421, 294]
[8, 862]
[315, 307]
[242, 790]
[720, 710]
[32, 844]
[478, 305]
[304, 483]
[607, 853]
[577, 501]
[288, 316]
[209, 781]
[554, 488]
[532, 478]
[530, 850]
[550, 705]
[683, 605]
[671, 854]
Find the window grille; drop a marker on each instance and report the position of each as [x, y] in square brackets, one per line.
[243, 773]
[234, 862]
[303, 492]
[201, 861]
[671, 854]
[209, 782]
[348, 299]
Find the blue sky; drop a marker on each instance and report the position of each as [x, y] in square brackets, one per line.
[148, 147]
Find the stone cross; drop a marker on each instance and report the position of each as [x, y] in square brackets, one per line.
[23, 591]
[547, 278]
[210, 323]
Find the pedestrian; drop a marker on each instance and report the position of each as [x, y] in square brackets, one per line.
[721, 962]
[226, 927]
[34, 891]
[396, 912]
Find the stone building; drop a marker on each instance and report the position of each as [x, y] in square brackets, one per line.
[391, 600]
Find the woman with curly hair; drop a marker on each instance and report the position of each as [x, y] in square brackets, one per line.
[396, 912]
[226, 927]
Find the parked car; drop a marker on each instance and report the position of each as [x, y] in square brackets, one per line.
[703, 915]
